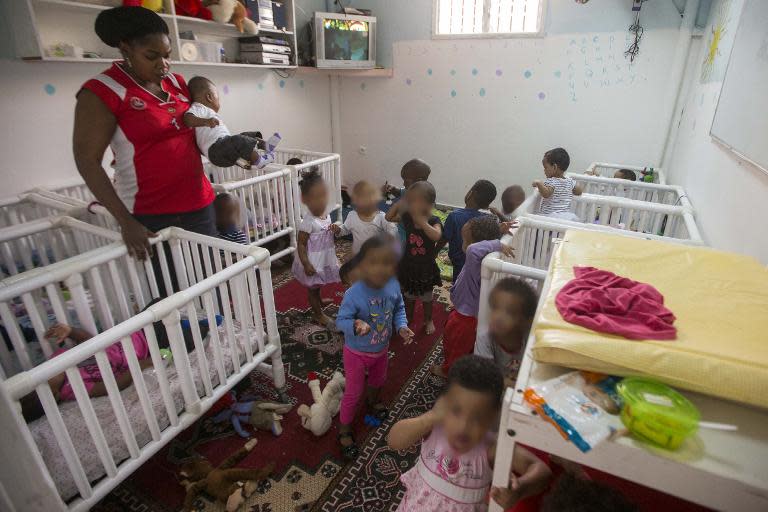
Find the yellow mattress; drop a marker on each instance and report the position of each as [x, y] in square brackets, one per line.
[720, 301]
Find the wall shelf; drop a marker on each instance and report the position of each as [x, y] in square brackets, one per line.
[360, 73]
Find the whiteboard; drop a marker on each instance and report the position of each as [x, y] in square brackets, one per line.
[741, 118]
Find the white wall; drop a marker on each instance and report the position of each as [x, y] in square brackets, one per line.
[514, 98]
[729, 194]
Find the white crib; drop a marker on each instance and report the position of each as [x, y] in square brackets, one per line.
[625, 215]
[45, 241]
[75, 189]
[267, 207]
[607, 170]
[34, 205]
[640, 191]
[74, 455]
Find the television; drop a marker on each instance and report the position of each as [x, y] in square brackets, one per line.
[344, 41]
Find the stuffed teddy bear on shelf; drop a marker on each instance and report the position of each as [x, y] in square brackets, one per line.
[317, 418]
[230, 486]
[232, 11]
[194, 8]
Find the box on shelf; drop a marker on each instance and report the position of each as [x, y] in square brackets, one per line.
[265, 58]
[201, 51]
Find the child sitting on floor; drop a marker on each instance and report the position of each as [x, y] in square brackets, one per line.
[227, 210]
[372, 310]
[511, 199]
[557, 191]
[315, 263]
[214, 139]
[453, 472]
[512, 307]
[479, 197]
[418, 272]
[366, 220]
[480, 237]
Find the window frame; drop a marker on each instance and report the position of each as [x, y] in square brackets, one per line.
[490, 35]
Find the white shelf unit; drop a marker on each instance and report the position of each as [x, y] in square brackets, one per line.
[39, 24]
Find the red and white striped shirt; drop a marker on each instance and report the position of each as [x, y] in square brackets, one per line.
[157, 163]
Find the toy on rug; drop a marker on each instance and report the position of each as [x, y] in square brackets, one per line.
[232, 11]
[261, 415]
[230, 486]
[372, 421]
[194, 8]
[317, 418]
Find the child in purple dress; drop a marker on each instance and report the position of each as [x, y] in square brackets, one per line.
[316, 263]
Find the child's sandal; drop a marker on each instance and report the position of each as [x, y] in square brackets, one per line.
[349, 451]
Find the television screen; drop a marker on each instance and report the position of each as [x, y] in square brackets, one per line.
[346, 39]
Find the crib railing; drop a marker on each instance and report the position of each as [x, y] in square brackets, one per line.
[267, 207]
[35, 205]
[640, 191]
[606, 169]
[45, 241]
[621, 214]
[216, 280]
[75, 189]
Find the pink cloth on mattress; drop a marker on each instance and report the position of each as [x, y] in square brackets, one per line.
[90, 370]
[604, 302]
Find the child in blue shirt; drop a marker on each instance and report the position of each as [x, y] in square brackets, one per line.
[479, 197]
[371, 311]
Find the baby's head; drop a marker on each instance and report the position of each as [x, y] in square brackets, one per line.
[365, 197]
[625, 174]
[573, 494]
[413, 171]
[421, 198]
[481, 195]
[377, 261]
[472, 401]
[294, 161]
[204, 91]
[512, 198]
[484, 227]
[555, 162]
[227, 209]
[512, 308]
[314, 192]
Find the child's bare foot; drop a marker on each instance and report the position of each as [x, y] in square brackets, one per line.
[437, 370]
[325, 321]
[429, 327]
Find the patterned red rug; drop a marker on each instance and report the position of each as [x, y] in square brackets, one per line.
[305, 465]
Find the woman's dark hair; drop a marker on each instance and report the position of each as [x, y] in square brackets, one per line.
[309, 179]
[426, 189]
[558, 157]
[478, 374]
[484, 227]
[521, 290]
[572, 494]
[485, 192]
[128, 24]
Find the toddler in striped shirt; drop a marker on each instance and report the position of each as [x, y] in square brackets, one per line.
[557, 191]
[228, 221]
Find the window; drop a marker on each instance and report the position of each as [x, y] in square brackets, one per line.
[487, 18]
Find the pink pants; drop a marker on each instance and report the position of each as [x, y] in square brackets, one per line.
[355, 366]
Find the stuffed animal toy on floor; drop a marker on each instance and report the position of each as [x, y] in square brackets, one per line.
[232, 11]
[230, 486]
[318, 418]
[261, 415]
[193, 8]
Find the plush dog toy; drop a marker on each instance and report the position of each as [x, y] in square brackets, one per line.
[230, 486]
[194, 8]
[317, 418]
[262, 415]
[232, 11]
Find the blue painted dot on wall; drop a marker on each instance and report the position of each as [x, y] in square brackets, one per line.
[527, 73]
[429, 71]
[482, 92]
[301, 83]
[282, 84]
[225, 89]
[261, 86]
[363, 86]
[558, 73]
[453, 72]
[49, 89]
[499, 72]
[453, 93]
[542, 95]
[474, 71]
[408, 81]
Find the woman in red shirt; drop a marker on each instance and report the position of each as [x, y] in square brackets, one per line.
[136, 108]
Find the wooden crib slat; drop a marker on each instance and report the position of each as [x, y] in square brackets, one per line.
[229, 327]
[17, 339]
[162, 376]
[202, 360]
[253, 292]
[149, 272]
[188, 264]
[141, 387]
[100, 299]
[91, 421]
[160, 248]
[136, 288]
[181, 361]
[117, 403]
[37, 323]
[214, 341]
[119, 291]
[80, 300]
[8, 260]
[61, 433]
[246, 321]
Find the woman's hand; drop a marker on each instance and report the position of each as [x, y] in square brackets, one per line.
[361, 328]
[58, 332]
[136, 238]
[406, 334]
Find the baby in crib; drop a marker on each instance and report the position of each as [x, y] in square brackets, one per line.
[228, 222]
[511, 199]
[214, 139]
[557, 191]
[512, 307]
